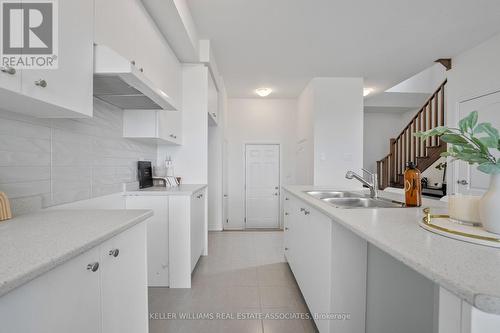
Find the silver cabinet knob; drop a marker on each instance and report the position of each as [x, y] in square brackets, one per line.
[141, 70]
[200, 196]
[173, 136]
[93, 267]
[286, 213]
[132, 62]
[276, 194]
[286, 228]
[7, 70]
[287, 199]
[286, 249]
[306, 212]
[462, 182]
[114, 252]
[41, 83]
[302, 209]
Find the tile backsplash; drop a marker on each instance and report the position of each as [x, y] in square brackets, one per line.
[46, 162]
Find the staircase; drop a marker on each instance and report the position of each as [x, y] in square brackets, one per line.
[408, 148]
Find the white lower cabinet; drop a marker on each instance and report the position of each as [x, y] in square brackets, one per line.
[93, 292]
[177, 236]
[329, 264]
[457, 316]
[157, 236]
[197, 227]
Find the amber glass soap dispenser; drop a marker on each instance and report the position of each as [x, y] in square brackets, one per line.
[413, 186]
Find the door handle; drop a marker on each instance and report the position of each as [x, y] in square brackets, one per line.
[276, 194]
[462, 182]
[8, 70]
[114, 252]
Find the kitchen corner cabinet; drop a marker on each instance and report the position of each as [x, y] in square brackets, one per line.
[213, 101]
[329, 265]
[160, 126]
[65, 92]
[103, 290]
[127, 28]
[177, 236]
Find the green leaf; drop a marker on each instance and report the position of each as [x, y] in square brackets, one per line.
[482, 146]
[468, 122]
[488, 129]
[432, 132]
[454, 139]
[489, 142]
[489, 168]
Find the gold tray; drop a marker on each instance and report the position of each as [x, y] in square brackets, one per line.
[442, 224]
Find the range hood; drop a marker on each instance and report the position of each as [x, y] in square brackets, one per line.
[118, 82]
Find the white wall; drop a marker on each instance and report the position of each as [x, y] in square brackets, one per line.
[257, 121]
[191, 159]
[305, 138]
[475, 72]
[48, 162]
[379, 128]
[338, 130]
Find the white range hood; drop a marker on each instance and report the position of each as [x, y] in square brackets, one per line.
[118, 82]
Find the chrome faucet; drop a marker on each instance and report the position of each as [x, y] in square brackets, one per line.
[372, 185]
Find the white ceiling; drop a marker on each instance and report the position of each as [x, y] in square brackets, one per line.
[282, 44]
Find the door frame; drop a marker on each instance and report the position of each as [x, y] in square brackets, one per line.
[267, 143]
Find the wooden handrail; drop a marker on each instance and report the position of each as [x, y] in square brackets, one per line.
[406, 147]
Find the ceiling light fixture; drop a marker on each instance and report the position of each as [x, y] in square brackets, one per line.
[263, 92]
[367, 91]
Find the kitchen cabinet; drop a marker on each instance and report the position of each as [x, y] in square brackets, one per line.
[456, 315]
[141, 42]
[93, 292]
[328, 263]
[124, 282]
[177, 235]
[67, 90]
[213, 101]
[160, 126]
[197, 226]
[157, 236]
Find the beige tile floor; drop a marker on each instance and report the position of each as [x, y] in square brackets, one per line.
[245, 272]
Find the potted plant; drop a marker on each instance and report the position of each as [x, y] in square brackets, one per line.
[475, 143]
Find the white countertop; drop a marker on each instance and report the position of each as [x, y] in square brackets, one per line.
[33, 244]
[470, 271]
[183, 189]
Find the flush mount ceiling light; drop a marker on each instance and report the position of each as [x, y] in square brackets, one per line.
[367, 91]
[263, 92]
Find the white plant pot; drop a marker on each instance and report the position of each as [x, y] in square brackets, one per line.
[489, 206]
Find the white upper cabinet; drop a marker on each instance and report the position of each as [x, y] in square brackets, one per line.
[64, 92]
[213, 101]
[69, 86]
[126, 27]
[157, 125]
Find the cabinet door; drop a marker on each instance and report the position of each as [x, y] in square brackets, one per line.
[197, 226]
[70, 85]
[213, 99]
[124, 282]
[66, 299]
[316, 254]
[157, 227]
[170, 126]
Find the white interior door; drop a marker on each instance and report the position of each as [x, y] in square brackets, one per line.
[262, 191]
[225, 185]
[469, 180]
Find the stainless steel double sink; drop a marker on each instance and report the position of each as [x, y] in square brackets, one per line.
[350, 200]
